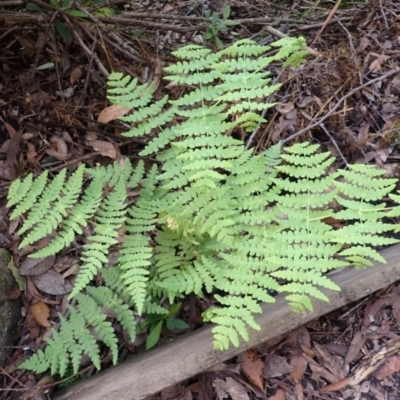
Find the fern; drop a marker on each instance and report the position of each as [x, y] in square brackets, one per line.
[79, 334]
[210, 217]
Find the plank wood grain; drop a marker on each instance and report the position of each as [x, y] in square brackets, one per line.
[191, 354]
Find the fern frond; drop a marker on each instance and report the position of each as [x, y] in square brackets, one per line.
[18, 190]
[110, 218]
[79, 217]
[232, 320]
[31, 195]
[135, 263]
[55, 202]
[110, 300]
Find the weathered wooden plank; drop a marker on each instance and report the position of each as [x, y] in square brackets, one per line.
[191, 354]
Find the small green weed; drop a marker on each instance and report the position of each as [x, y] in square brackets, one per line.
[155, 324]
[218, 25]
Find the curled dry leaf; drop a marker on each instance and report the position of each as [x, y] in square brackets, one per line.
[41, 312]
[59, 144]
[58, 156]
[253, 367]
[112, 112]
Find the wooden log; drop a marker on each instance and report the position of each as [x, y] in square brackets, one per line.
[191, 354]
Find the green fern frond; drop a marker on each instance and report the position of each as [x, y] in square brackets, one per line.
[56, 199]
[290, 48]
[191, 51]
[135, 263]
[67, 346]
[244, 47]
[110, 300]
[232, 320]
[18, 190]
[25, 203]
[79, 217]
[110, 218]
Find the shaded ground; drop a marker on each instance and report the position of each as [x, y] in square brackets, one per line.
[346, 97]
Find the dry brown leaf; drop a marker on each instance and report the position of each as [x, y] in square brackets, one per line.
[375, 66]
[73, 270]
[76, 74]
[355, 346]
[363, 44]
[31, 156]
[390, 366]
[90, 135]
[333, 387]
[253, 367]
[106, 149]
[299, 365]
[279, 395]
[32, 326]
[41, 312]
[112, 112]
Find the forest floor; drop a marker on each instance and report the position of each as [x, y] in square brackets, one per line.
[54, 66]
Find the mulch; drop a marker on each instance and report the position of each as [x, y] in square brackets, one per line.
[54, 67]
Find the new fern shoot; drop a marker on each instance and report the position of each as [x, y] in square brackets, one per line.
[215, 218]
